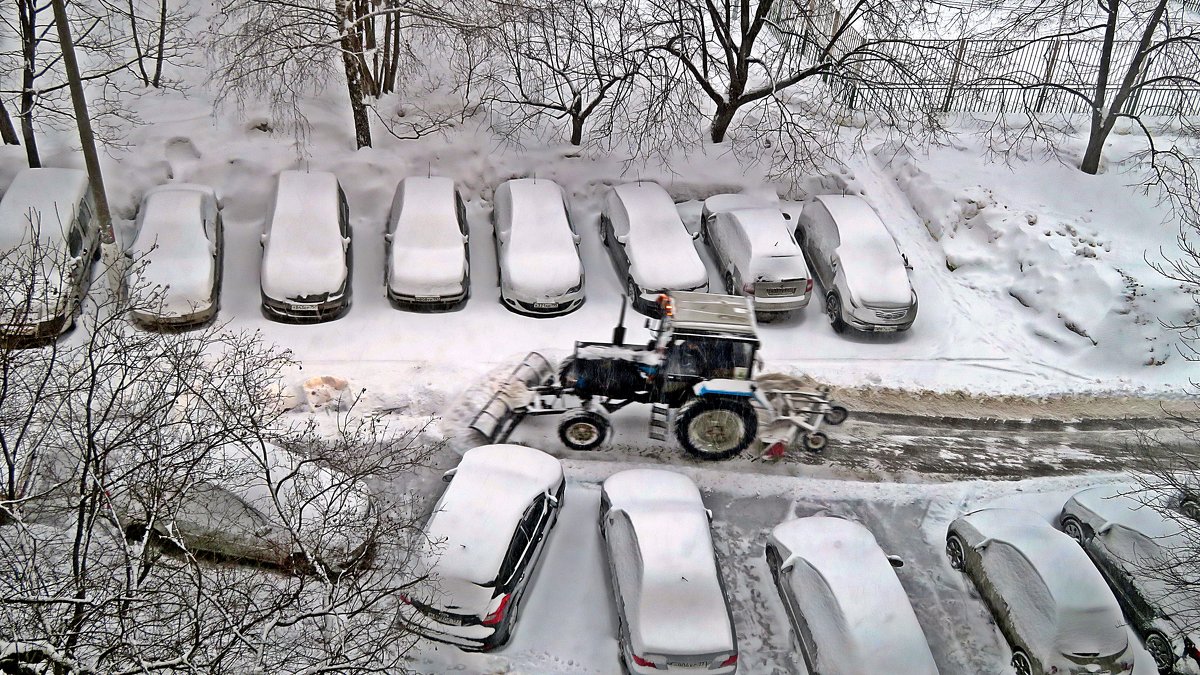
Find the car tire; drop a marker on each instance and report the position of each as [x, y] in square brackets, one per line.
[1021, 664]
[1190, 508]
[729, 285]
[1074, 529]
[583, 429]
[708, 427]
[631, 292]
[836, 415]
[833, 309]
[956, 551]
[1160, 648]
[815, 442]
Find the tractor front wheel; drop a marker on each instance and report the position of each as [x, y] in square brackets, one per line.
[584, 430]
[716, 428]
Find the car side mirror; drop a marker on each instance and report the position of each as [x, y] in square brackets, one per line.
[387, 236]
[907, 265]
[708, 512]
[695, 236]
[345, 242]
[786, 215]
[789, 563]
[449, 475]
[76, 263]
[895, 561]
[262, 239]
[552, 499]
[466, 238]
[622, 238]
[577, 239]
[833, 261]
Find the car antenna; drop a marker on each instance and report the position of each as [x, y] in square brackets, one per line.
[428, 169]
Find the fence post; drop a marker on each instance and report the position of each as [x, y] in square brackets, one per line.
[1051, 62]
[958, 59]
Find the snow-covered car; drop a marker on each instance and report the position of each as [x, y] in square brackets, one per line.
[649, 246]
[537, 249]
[307, 259]
[862, 271]
[487, 531]
[1136, 543]
[1049, 601]
[46, 224]
[757, 256]
[428, 253]
[848, 609]
[263, 504]
[672, 609]
[175, 281]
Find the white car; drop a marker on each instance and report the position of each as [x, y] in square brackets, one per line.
[671, 604]
[649, 246]
[847, 607]
[1137, 542]
[487, 531]
[307, 259]
[537, 249]
[757, 256]
[231, 511]
[176, 279]
[47, 214]
[428, 246]
[863, 273]
[1047, 598]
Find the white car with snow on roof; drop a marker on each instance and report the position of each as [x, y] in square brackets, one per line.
[757, 256]
[1138, 542]
[849, 612]
[649, 245]
[263, 504]
[307, 259]
[175, 281]
[537, 249]
[428, 246]
[862, 271]
[46, 219]
[1049, 601]
[487, 534]
[672, 608]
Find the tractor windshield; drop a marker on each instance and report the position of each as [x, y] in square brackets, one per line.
[707, 358]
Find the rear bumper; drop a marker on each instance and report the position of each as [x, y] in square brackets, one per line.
[33, 334]
[781, 304]
[173, 322]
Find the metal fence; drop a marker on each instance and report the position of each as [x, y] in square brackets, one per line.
[980, 75]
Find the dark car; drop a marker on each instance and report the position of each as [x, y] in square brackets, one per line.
[487, 534]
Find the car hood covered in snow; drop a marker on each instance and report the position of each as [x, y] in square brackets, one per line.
[427, 245]
[304, 254]
[539, 257]
[174, 272]
[873, 266]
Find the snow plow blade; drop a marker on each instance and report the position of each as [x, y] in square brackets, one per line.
[497, 418]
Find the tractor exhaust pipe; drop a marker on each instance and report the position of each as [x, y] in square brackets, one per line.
[618, 337]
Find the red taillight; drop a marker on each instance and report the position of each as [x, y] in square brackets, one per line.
[642, 662]
[497, 615]
[731, 661]
[808, 286]
[748, 288]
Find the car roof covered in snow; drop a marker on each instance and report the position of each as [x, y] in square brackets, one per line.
[681, 607]
[767, 231]
[428, 215]
[49, 194]
[661, 253]
[176, 249]
[303, 253]
[731, 202]
[539, 255]
[881, 626]
[1116, 505]
[480, 510]
[1077, 588]
[713, 313]
[871, 262]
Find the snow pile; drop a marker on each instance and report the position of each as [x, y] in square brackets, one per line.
[1048, 262]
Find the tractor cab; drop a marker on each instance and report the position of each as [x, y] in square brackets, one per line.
[701, 337]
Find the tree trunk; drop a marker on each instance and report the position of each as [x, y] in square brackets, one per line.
[8, 133]
[721, 121]
[26, 115]
[577, 130]
[162, 38]
[352, 64]
[1097, 136]
[29, 41]
[137, 43]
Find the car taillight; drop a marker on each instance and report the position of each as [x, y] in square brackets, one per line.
[748, 288]
[731, 661]
[497, 615]
[642, 662]
[808, 285]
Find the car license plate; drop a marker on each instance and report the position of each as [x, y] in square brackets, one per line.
[785, 290]
[885, 329]
[426, 298]
[545, 305]
[301, 307]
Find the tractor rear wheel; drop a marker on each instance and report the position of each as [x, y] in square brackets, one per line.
[716, 428]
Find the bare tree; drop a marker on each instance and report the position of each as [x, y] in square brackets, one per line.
[1110, 59]
[121, 444]
[742, 52]
[572, 60]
